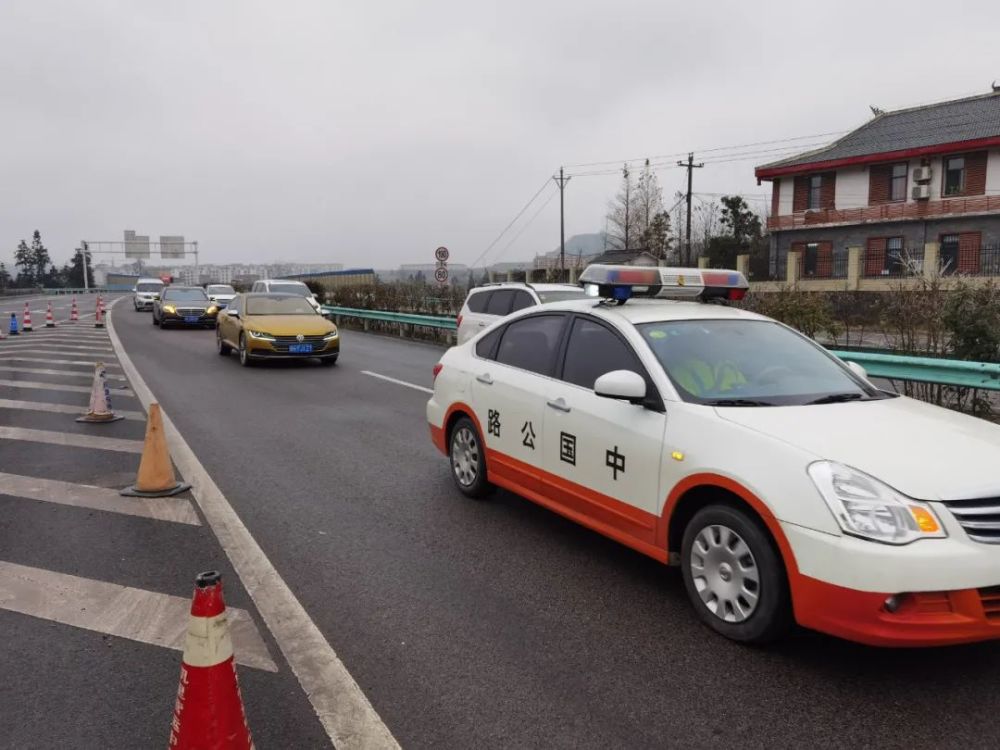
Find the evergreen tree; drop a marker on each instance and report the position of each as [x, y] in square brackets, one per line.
[24, 262]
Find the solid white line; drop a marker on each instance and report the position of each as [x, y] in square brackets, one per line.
[88, 362]
[71, 439]
[10, 403]
[58, 387]
[414, 386]
[342, 707]
[123, 611]
[14, 353]
[173, 509]
[68, 373]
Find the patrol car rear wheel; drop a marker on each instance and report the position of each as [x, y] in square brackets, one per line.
[468, 460]
[734, 576]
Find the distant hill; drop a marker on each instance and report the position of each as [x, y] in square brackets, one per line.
[582, 244]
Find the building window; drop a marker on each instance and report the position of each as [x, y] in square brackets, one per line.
[894, 261]
[897, 183]
[954, 175]
[948, 254]
[815, 191]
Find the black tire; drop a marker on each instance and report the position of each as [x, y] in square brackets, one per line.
[245, 359]
[708, 568]
[156, 321]
[329, 361]
[223, 347]
[467, 459]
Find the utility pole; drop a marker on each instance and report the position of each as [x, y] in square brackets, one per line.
[690, 166]
[561, 181]
[84, 252]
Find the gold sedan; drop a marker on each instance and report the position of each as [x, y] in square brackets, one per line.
[276, 326]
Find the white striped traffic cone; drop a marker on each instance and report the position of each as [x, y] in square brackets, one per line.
[26, 325]
[74, 314]
[49, 320]
[99, 314]
[100, 410]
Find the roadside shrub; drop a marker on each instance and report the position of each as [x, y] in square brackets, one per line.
[808, 312]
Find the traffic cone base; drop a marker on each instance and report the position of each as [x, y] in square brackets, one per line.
[99, 411]
[208, 710]
[49, 320]
[156, 472]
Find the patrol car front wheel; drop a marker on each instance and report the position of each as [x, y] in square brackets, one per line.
[734, 575]
[468, 459]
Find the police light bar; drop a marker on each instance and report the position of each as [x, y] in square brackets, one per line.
[620, 283]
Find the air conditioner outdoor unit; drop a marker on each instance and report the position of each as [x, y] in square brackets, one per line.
[920, 192]
[921, 174]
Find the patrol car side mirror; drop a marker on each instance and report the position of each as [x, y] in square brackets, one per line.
[621, 384]
[858, 369]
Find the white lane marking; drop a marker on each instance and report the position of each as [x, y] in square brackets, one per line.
[57, 334]
[71, 439]
[343, 709]
[10, 403]
[123, 611]
[174, 509]
[21, 343]
[68, 373]
[84, 362]
[59, 387]
[16, 353]
[414, 386]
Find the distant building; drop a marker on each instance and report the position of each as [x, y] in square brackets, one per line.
[903, 179]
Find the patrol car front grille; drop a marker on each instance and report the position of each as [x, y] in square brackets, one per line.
[979, 518]
[990, 598]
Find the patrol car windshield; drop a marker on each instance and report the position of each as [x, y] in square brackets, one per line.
[278, 304]
[749, 363]
[148, 286]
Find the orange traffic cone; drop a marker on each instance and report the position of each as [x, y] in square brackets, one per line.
[156, 473]
[208, 712]
[26, 324]
[50, 322]
[100, 400]
[74, 314]
[99, 313]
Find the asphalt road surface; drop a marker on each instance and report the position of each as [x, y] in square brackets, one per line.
[466, 624]
[497, 623]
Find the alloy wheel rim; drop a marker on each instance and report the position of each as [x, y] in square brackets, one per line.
[725, 573]
[465, 457]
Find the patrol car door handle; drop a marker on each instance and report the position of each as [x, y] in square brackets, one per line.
[558, 405]
[485, 378]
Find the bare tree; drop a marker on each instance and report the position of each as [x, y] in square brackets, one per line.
[624, 230]
[648, 198]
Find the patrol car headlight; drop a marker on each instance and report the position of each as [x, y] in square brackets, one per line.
[261, 335]
[867, 508]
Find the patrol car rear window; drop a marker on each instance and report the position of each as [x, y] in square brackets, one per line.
[530, 343]
[478, 300]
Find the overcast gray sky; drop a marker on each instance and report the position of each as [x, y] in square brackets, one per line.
[369, 133]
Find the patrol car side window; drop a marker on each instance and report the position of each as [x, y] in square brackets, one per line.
[486, 346]
[592, 351]
[531, 343]
[478, 301]
[521, 301]
[500, 302]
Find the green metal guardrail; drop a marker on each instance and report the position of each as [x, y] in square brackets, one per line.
[952, 372]
[446, 323]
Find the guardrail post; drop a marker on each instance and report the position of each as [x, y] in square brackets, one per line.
[574, 274]
[366, 324]
[853, 269]
[932, 259]
[702, 261]
[743, 265]
[792, 271]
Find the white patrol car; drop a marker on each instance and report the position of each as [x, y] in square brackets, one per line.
[784, 483]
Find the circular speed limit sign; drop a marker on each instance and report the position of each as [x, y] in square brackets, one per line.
[441, 275]
[441, 254]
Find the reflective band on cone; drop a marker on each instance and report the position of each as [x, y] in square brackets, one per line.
[74, 314]
[26, 325]
[208, 712]
[49, 320]
[156, 473]
[100, 410]
[99, 313]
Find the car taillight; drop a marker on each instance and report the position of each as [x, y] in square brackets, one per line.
[437, 369]
[458, 321]
[736, 294]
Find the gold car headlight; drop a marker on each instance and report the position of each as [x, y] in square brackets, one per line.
[331, 335]
[260, 335]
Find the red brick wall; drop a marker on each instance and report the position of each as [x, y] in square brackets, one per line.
[879, 180]
[875, 256]
[800, 195]
[828, 190]
[968, 251]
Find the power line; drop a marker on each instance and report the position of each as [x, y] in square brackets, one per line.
[545, 184]
[526, 225]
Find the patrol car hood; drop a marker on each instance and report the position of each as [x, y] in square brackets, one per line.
[923, 451]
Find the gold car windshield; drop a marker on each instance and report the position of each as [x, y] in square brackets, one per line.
[279, 304]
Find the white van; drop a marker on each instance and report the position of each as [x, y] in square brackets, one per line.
[145, 293]
[286, 286]
[488, 303]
